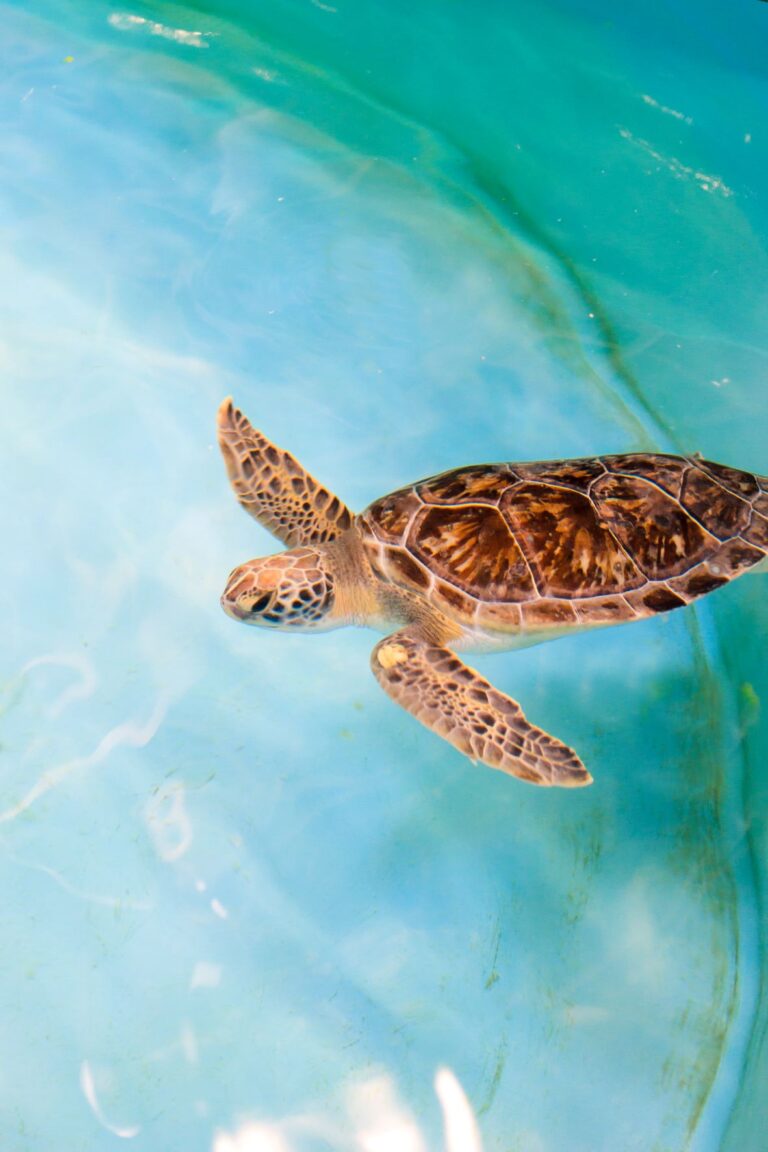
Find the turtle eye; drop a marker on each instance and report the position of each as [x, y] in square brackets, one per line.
[260, 604]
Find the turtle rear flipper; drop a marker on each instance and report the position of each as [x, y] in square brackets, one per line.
[274, 488]
[431, 683]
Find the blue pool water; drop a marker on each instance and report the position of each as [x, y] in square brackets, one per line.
[248, 904]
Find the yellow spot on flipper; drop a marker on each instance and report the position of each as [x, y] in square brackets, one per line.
[391, 654]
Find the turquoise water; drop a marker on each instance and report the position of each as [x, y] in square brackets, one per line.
[248, 905]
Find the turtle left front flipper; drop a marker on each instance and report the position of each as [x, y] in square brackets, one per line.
[274, 488]
[431, 683]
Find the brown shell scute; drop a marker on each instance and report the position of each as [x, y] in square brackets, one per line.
[577, 474]
[406, 570]
[472, 546]
[722, 513]
[389, 517]
[662, 599]
[740, 483]
[665, 471]
[570, 552]
[651, 526]
[480, 483]
[549, 613]
[757, 532]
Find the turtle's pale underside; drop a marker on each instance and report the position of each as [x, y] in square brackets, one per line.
[487, 557]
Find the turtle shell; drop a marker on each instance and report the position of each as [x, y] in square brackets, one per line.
[602, 539]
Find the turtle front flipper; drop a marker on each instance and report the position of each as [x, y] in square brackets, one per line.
[453, 700]
[273, 486]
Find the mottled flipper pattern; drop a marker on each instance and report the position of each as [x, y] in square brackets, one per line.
[456, 702]
[273, 486]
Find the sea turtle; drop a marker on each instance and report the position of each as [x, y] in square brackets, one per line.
[487, 557]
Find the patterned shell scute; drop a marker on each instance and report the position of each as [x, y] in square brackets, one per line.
[720, 512]
[660, 469]
[391, 516]
[570, 550]
[740, 483]
[578, 474]
[589, 540]
[474, 547]
[653, 527]
[478, 484]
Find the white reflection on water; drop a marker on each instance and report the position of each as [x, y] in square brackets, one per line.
[118, 902]
[126, 22]
[461, 1131]
[129, 733]
[168, 822]
[379, 1120]
[189, 1045]
[82, 689]
[88, 1087]
[680, 171]
[205, 975]
[251, 1138]
[667, 111]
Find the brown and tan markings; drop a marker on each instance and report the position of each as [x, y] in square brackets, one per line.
[740, 483]
[481, 483]
[460, 705]
[604, 534]
[578, 474]
[722, 513]
[656, 531]
[570, 549]
[391, 516]
[664, 471]
[484, 553]
[726, 508]
[274, 488]
[472, 546]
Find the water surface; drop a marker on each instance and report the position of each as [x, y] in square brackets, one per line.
[249, 904]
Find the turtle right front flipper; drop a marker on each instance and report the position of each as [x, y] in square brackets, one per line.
[273, 487]
[455, 702]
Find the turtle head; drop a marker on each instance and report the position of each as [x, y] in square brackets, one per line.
[292, 590]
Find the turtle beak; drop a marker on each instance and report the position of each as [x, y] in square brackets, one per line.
[249, 593]
[231, 596]
[231, 608]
